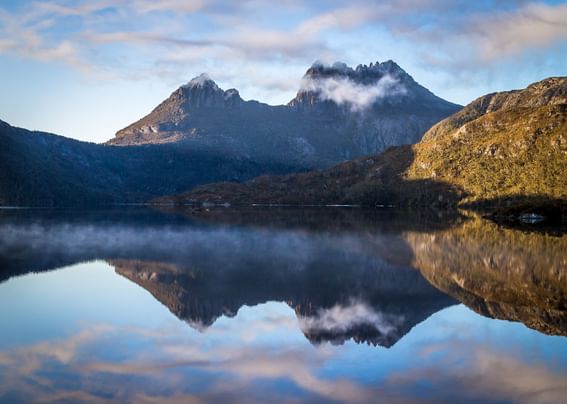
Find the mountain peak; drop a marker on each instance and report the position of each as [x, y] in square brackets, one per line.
[338, 66]
[202, 80]
[320, 69]
[389, 67]
[362, 73]
[373, 85]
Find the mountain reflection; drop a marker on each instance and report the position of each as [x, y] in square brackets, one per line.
[369, 276]
[370, 301]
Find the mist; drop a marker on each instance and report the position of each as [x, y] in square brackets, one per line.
[344, 91]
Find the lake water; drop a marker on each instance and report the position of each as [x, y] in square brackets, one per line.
[272, 305]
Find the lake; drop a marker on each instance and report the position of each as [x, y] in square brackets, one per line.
[274, 304]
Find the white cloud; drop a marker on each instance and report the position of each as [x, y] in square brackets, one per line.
[358, 97]
[179, 6]
[533, 26]
[443, 32]
[342, 318]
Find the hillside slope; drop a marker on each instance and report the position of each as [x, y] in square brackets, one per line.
[501, 147]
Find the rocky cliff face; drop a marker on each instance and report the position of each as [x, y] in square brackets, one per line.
[367, 88]
[548, 92]
[339, 113]
[168, 121]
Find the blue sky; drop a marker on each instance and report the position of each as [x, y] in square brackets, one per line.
[85, 69]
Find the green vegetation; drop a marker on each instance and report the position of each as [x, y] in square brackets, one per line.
[501, 154]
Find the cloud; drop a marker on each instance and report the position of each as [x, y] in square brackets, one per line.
[346, 18]
[342, 318]
[172, 40]
[358, 97]
[534, 26]
[493, 31]
[266, 43]
[470, 36]
[179, 6]
[41, 9]
[142, 38]
[24, 36]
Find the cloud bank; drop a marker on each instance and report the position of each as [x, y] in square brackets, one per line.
[344, 91]
[459, 34]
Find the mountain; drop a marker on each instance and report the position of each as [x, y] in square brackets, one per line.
[42, 169]
[203, 134]
[339, 113]
[502, 149]
[377, 304]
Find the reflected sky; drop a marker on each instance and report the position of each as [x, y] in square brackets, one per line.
[90, 334]
[129, 328]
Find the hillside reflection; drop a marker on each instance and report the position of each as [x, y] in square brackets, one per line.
[498, 272]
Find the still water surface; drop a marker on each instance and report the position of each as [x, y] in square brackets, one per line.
[279, 305]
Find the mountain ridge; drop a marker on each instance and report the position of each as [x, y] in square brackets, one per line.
[360, 111]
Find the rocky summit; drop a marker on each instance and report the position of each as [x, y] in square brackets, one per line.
[339, 113]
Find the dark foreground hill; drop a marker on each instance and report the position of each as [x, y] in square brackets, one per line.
[41, 169]
[502, 148]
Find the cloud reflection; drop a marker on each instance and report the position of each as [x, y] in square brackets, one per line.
[473, 369]
[467, 371]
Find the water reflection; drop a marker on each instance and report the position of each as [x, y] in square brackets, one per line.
[257, 296]
[371, 301]
[498, 272]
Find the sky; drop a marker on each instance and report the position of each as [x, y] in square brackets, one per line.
[85, 69]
